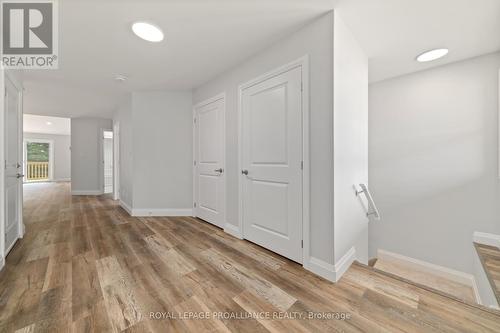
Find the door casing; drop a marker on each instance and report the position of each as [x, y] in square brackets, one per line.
[303, 63]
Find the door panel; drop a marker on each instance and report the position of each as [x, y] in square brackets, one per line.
[209, 157]
[272, 154]
[13, 168]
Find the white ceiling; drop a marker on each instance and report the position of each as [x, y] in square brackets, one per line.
[206, 37]
[202, 39]
[394, 32]
[46, 125]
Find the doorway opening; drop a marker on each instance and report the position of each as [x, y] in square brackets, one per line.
[107, 150]
[38, 160]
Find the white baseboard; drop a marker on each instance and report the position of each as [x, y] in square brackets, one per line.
[486, 239]
[328, 271]
[233, 230]
[127, 208]
[2, 263]
[162, 212]
[61, 180]
[86, 192]
[444, 272]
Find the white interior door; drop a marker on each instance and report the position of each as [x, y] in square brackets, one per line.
[271, 155]
[116, 160]
[13, 167]
[107, 147]
[209, 162]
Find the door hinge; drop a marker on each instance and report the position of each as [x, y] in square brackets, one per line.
[301, 86]
[302, 243]
[194, 120]
[194, 163]
[194, 204]
[301, 165]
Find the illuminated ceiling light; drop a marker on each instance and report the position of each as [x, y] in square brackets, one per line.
[432, 55]
[148, 31]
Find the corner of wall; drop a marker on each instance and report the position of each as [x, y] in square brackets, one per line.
[328, 271]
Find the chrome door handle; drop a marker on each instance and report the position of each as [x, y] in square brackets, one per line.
[220, 170]
[244, 172]
[19, 175]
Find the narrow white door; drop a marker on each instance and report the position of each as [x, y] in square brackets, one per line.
[107, 147]
[271, 146]
[13, 167]
[209, 162]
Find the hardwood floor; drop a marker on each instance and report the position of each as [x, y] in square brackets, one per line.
[490, 259]
[84, 265]
[417, 274]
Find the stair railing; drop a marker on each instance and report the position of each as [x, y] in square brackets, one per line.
[372, 209]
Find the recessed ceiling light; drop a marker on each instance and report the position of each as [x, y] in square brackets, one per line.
[49, 123]
[147, 31]
[432, 55]
[120, 78]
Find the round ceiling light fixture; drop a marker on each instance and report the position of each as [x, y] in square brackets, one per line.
[148, 31]
[48, 123]
[432, 55]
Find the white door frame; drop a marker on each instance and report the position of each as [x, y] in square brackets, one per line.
[221, 96]
[25, 158]
[116, 160]
[4, 76]
[303, 63]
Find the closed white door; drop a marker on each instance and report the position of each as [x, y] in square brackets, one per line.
[209, 162]
[271, 146]
[107, 145]
[13, 167]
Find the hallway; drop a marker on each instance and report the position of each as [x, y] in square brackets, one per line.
[86, 265]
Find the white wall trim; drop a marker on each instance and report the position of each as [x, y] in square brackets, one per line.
[498, 113]
[124, 205]
[444, 272]
[86, 192]
[161, 212]
[61, 180]
[486, 239]
[233, 230]
[2, 263]
[303, 63]
[328, 271]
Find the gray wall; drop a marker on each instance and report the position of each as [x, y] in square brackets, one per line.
[162, 146]
[156, 150]
[62, 153]
[86, 158]
[433, 158]
[350, 138]
[316, 40]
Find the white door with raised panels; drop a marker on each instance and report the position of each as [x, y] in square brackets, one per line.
[209, 161]
[13, 166]
[271, 161]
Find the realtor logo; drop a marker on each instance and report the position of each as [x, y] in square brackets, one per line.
[29, 34]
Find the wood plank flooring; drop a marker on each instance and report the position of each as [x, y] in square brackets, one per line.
[417, 274]
[85, 265]
[490, 259]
